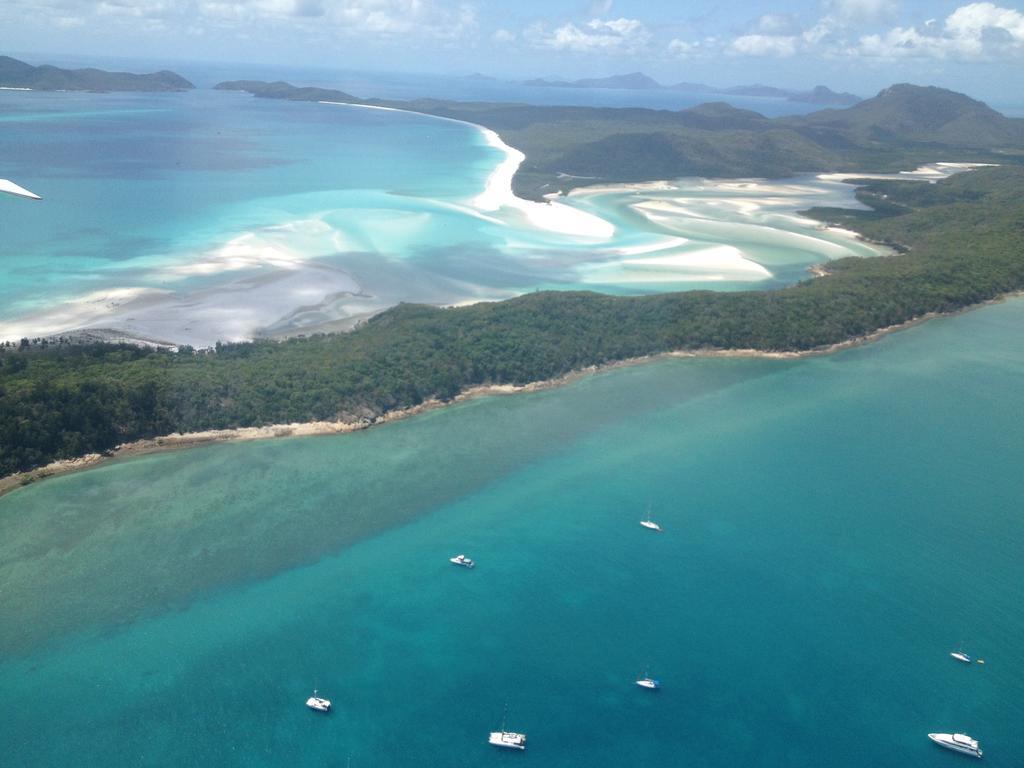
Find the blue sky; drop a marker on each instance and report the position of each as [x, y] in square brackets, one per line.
[857, 45]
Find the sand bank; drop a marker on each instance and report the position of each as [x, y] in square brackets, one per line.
[931, 172]
[230, 311]
[552, 216]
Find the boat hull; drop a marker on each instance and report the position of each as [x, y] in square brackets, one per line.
[957, 742]
[318, 705]
[507, 740]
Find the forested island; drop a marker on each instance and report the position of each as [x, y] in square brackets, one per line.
[961, 242]
[638, 81]
[904, 126]
[18, 74]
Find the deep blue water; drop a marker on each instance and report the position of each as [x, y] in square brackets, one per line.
[834, 527]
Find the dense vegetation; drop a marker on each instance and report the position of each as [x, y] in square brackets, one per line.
[964, 241]
[18, 74]
[902, 127]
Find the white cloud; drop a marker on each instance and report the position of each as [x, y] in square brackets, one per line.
[845, 18]
[974, 31]
[774, 24]
[503, 36]
[780, 46]
[136, 9]
[862, 11]
[683, 49]
[976, 20]
[596, 35]
[68, 22]
[416, 19]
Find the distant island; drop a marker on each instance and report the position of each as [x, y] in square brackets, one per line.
[902, 127]
[638, 81]
[18, 74]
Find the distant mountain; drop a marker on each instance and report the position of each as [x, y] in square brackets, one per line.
[907, 113]
[765, 91]
[634, 81]
[546, 82]
[692, 88]
[18, 74]
[566, 146]
[283, 90]
[825, 96]
[638, 81]
[820, 94]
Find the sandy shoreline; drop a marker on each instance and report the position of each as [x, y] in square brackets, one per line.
[178, 441]
[498, 194]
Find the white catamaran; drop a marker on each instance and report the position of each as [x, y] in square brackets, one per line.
[507, 739]
[317, 703]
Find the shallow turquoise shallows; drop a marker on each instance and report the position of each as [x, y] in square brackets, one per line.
[833, 528]
[211, 215]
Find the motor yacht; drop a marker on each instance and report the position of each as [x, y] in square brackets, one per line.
[958, 742]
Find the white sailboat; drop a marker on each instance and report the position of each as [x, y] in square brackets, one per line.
[318, 703]
[648, 523]
[507, 739]
[959, 654]
[646, 681]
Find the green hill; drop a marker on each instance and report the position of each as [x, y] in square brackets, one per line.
[18, 74]
[283, 90]
[912, 114]
[902, 127]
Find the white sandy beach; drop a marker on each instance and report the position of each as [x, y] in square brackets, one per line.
[712, 264]
[498, 197]
[552, 216]
[930, 172]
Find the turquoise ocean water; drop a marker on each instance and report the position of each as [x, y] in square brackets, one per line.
[834, 527]
[221, 216]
